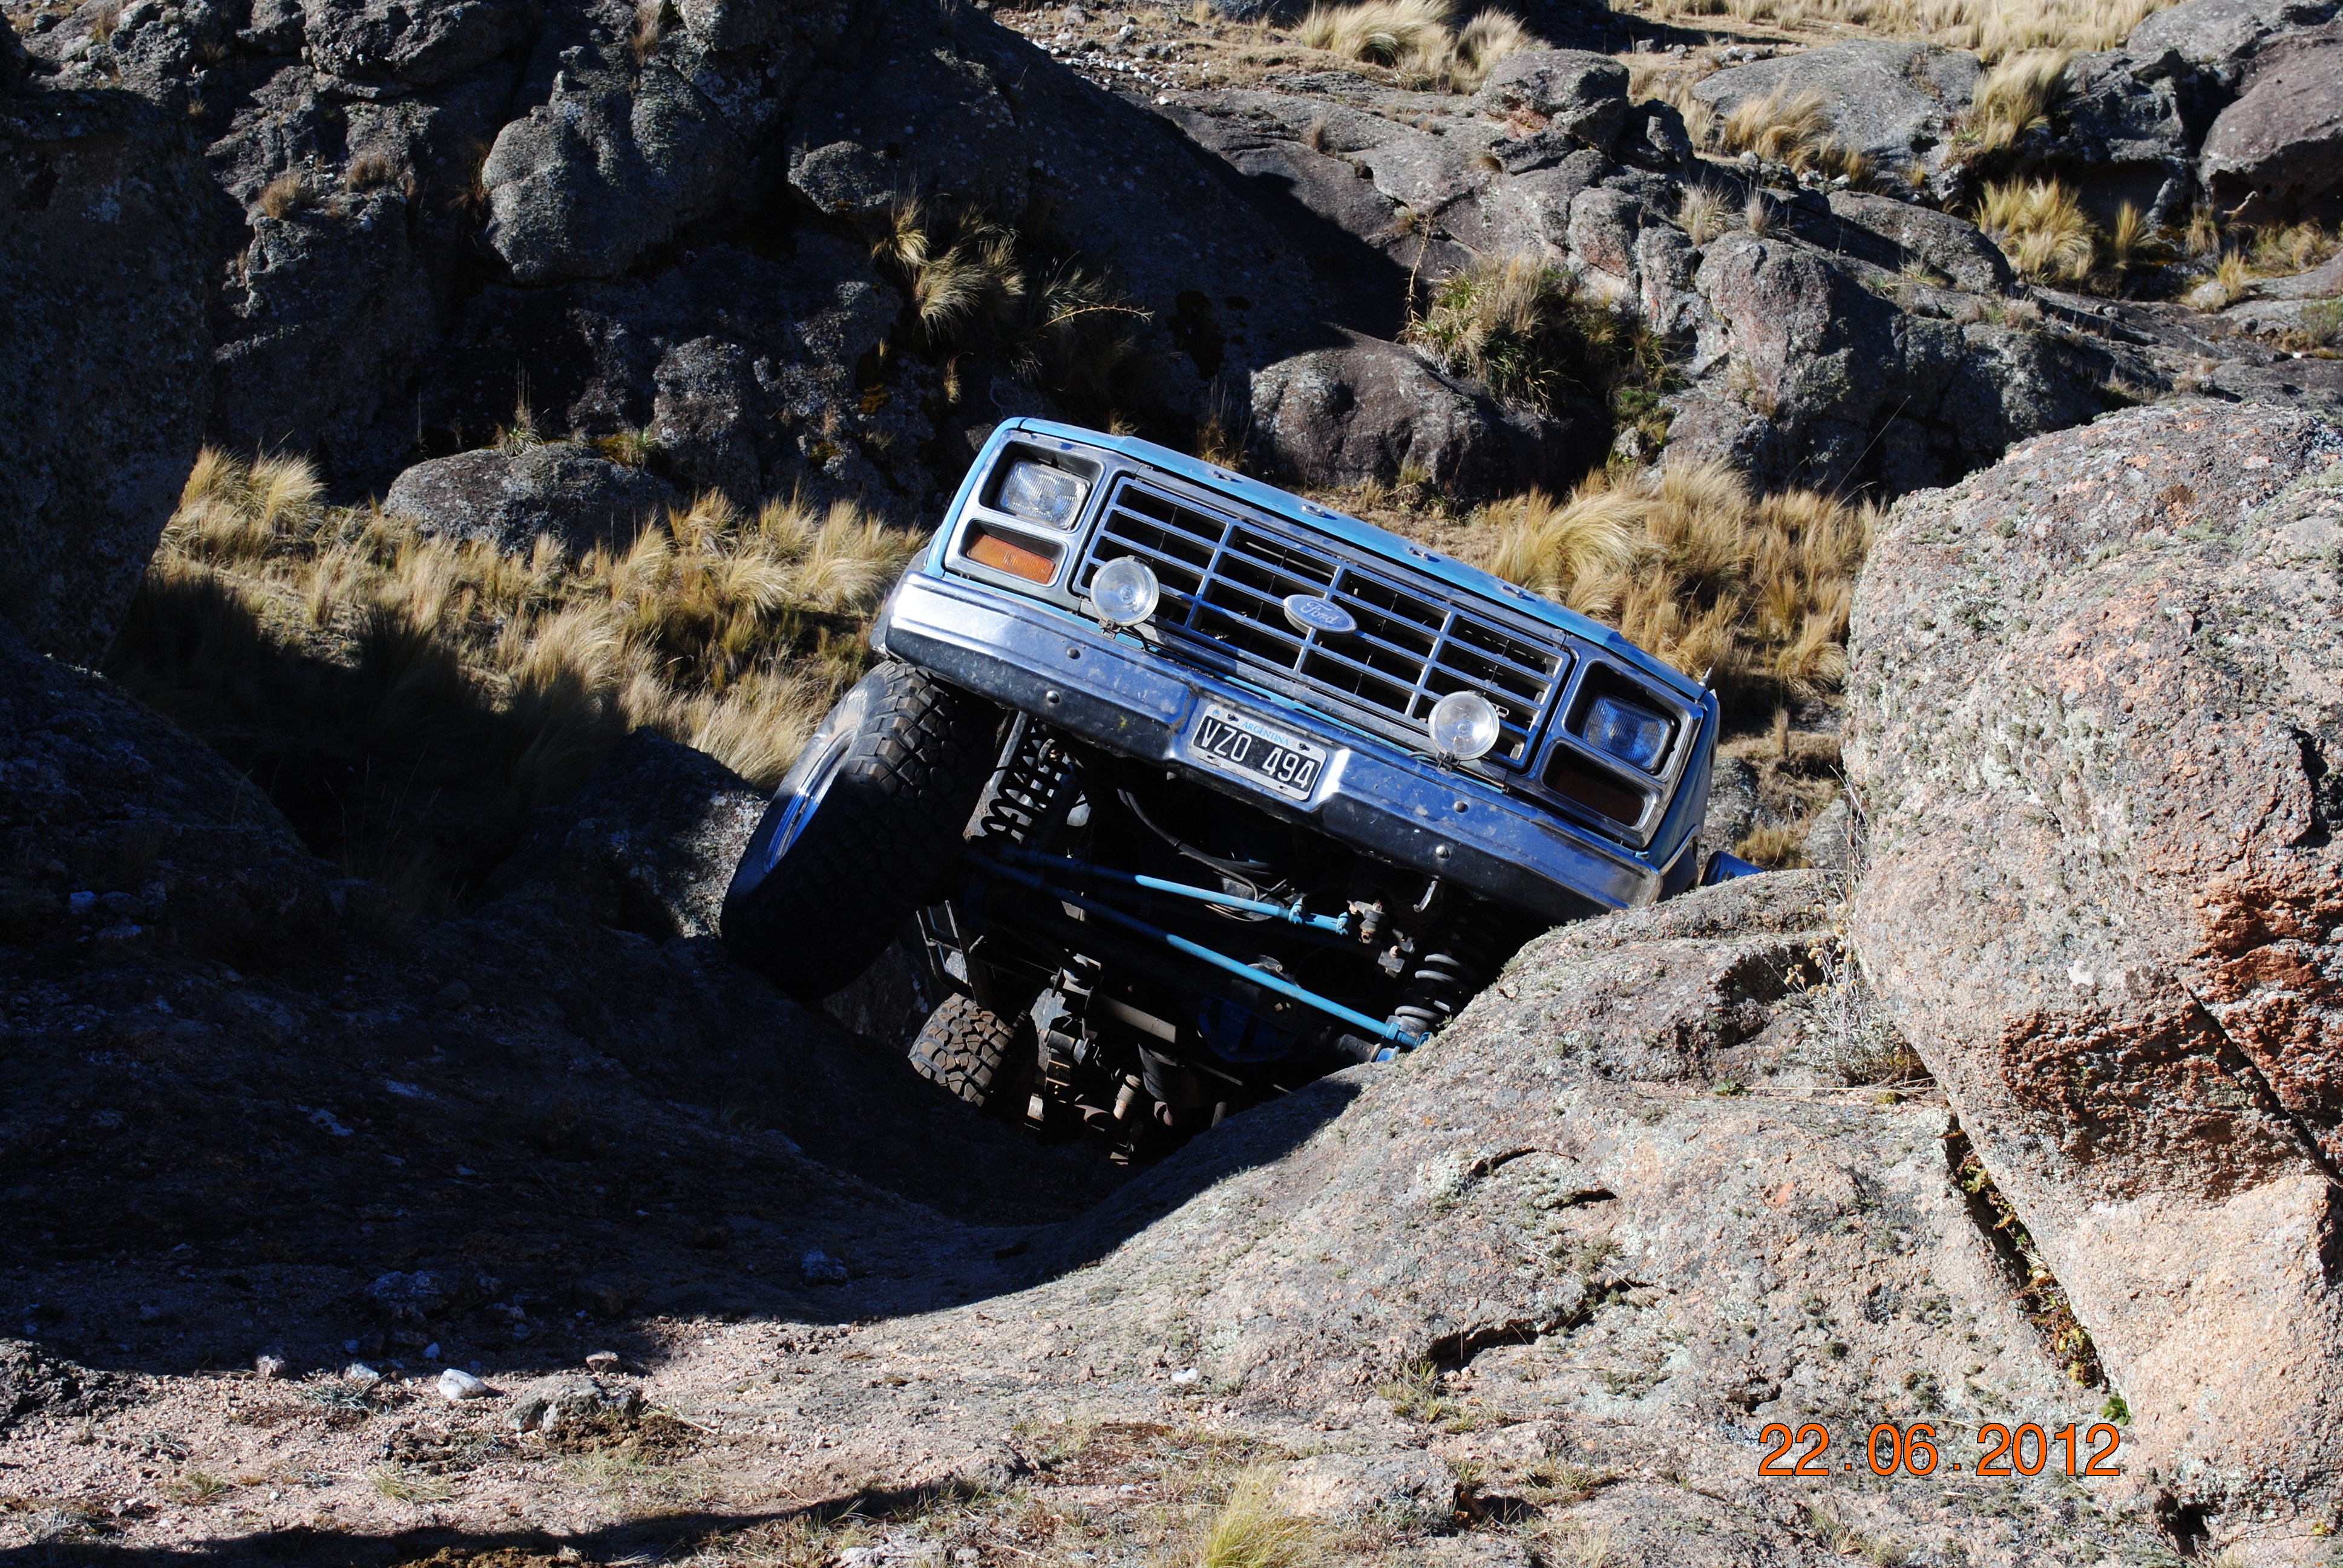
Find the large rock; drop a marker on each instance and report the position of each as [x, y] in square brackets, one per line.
[2275, 156]
[330, 316]
[381, 41]
[123, 837]
[507, 500]
[2118, 134]
[1551, 1234]
[580, 186]
[2220, 37]
[1371, 410]
[1564, 92]
[1895, 102]
[648, 844]
[1935, 240]
[958, 107]
[104, 348]
[2096, 739]
[742, 367]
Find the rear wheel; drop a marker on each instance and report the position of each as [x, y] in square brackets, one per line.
[977, 1054]
[864, 830]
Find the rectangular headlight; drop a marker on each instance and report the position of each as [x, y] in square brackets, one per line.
[1634, 735]
[1039, 494]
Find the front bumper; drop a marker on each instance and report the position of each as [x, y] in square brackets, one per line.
[1117, 693]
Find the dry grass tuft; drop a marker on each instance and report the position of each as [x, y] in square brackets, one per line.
[1379, 32]
[1251, 1531]
[1752, 591]
[1415, 38]
[368, 170]
[2041, 227]
[977, 284]
[1994, 29]
[1792, 128]
[490, 684]
[1528, 333]
[649, 26]
[2017, 95]
[1704, 212]
[286, 195]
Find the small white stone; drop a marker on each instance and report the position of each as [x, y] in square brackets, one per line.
[456, 1384]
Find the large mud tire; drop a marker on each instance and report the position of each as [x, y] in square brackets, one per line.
[977, 1054]
[864, 830]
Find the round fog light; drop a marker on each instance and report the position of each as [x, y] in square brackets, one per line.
[1125, 592]
[1463, 726]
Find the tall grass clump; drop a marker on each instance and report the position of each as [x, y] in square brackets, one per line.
[1792, 128]
[1251, 1530]
[1416, 38]
[2041, 227]
[1752, 591]
[407, 698]
[2016, 96]
[1993, 29]
[1527, 332]
[977, 283]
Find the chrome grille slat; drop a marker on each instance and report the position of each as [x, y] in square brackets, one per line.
[1225, 575]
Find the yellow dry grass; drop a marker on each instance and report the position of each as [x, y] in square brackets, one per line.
[1793, 128]
[1994, 29]
[1752, 591]
[265, 612]
[2041, 227]
[1252, 1531]
[2016, 96]
[1416, 38]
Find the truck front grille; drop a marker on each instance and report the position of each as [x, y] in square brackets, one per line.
[1225, 579]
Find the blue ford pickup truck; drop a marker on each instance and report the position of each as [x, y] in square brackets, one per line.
[1190, 790]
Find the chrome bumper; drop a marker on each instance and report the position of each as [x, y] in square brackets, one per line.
[1117, 693]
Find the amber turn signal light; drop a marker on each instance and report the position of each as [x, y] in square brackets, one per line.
[1004, 554]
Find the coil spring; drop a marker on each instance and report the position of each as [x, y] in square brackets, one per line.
[1036, 784]
[1454, 965]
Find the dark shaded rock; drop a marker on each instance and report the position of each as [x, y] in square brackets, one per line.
[2275, 156]
[1895, 102]
[16, 66]
[1371, 410]
[2095, 753]
[332, 318]
[647, 845]
[383, 41]
[985, 119]
[1580, 95]
[777, 387]
[584, 183]
[104, 352]
[507, 500]
[34, 1383]
[163, 842]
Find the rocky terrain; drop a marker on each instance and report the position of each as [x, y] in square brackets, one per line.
[516, 1224]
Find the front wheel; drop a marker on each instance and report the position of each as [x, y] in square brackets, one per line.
[861, 832]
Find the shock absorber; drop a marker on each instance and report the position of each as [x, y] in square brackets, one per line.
[1032, 789]
[1453, 962]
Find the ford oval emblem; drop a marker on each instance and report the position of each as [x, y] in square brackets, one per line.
[1311, 612]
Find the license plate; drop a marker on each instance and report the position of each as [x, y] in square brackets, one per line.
[1240, 744]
